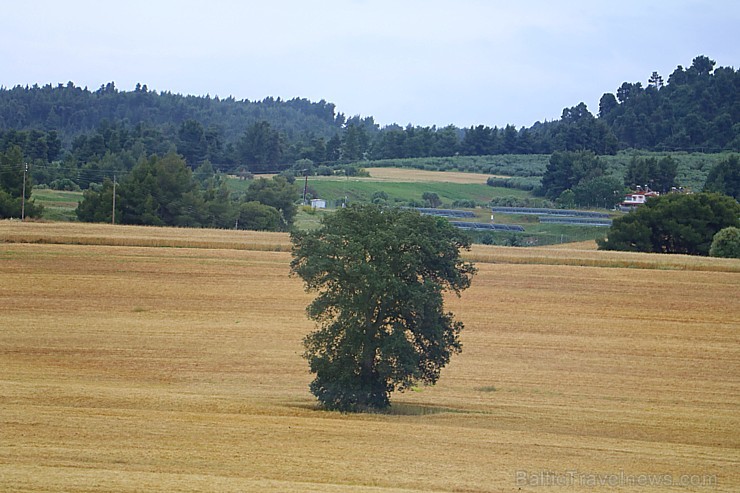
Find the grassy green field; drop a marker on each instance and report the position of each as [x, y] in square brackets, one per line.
[400, 187]
[502, 164]
[362, 189]
[58, 205]
[692, 167]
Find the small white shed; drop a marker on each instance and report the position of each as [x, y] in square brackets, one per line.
[318, 204]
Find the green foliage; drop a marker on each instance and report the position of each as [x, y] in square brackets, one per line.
[673, 223]
[259, 217]
[532, 165]
[658, 175]
[164, 192]
[97, 205]
[431, 199]
[11, 172]
[161, 191]
[567, 169]
[65, 185]
[13, 202]
[100, 134]
[380, 275]
[579, 130]
[566, 200]
[725, 178]
[72, 111]
[465, 204]
[518, 182]
[191, 142]
[692, 112]
[35, 145]
[514, 201]
[726, 243]
[380, 197]
[602, 191]
[324, 171]
[395, 142]
[355, 143]
[278, 193]
[260, 148]
[95, 133]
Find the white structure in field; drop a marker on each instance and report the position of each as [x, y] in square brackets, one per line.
[318, 204]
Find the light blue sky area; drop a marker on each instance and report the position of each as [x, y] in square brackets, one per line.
[425, 62]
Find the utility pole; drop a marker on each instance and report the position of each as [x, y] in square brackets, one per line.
[23, 194]
[305, 187]
[113, 212]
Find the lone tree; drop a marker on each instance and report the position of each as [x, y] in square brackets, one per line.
[380, 275]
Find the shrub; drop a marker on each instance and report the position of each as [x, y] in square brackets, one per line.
[380, 197]
[509, 201]
[527, 184]
[726, 243]
[64, 184]
[466, 204]
[324, 170]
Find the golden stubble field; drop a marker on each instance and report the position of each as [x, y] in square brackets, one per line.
[417, 175]
[178, 368]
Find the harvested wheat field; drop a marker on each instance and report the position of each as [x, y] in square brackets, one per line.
[134, 367]
[420, 175]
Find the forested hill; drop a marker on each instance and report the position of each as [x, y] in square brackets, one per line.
[695, 109]
[72, 111]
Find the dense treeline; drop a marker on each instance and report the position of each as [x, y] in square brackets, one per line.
[72, 111]
[166, 192]
[696, 109]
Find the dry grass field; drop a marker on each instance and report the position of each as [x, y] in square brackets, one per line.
[418, 175]
[148, 359]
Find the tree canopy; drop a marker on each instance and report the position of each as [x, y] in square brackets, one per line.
[673, 223]
[726, 243]
[568, 169]
[13, 183]
[658, 175]
[725, 178]
[380, 275]
[165, 192]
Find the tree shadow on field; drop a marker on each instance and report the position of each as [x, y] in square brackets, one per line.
[407, 409]
[397, 409]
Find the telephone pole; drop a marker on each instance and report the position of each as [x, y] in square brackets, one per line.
[23, 194]
[113, 212]
[305, 187]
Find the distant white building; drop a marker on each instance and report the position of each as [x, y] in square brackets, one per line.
[318, 204]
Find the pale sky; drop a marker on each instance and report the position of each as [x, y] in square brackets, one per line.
[424, 62]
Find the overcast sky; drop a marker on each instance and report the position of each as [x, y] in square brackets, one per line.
[425, 62]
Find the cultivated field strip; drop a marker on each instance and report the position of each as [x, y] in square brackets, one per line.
[140, 236]
[418, 175]
[133, 368]
[145, 236]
